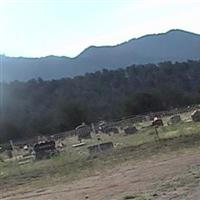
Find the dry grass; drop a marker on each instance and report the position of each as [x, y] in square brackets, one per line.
[75, 163]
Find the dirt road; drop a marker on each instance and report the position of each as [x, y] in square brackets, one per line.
[130, 178]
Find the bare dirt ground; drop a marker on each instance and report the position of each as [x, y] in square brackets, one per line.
[129, 178]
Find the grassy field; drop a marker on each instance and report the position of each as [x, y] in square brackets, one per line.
[76, 163]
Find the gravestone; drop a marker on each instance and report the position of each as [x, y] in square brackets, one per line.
[175, 119]
[130, 130]
[196, 116]
[83, 132]
[100, 147]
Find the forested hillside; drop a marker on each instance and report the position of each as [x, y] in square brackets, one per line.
[46, 107]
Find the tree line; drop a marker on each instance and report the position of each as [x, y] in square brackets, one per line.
[44, 107]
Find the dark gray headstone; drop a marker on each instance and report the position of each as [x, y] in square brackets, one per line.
[130, 130]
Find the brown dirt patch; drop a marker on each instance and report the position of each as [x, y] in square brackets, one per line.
[131, 177]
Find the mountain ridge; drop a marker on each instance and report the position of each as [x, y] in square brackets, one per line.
[102, 46]
[173, 45]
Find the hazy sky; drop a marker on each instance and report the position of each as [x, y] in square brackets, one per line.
[36, 28]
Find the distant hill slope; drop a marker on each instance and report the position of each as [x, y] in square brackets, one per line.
[174, 45]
